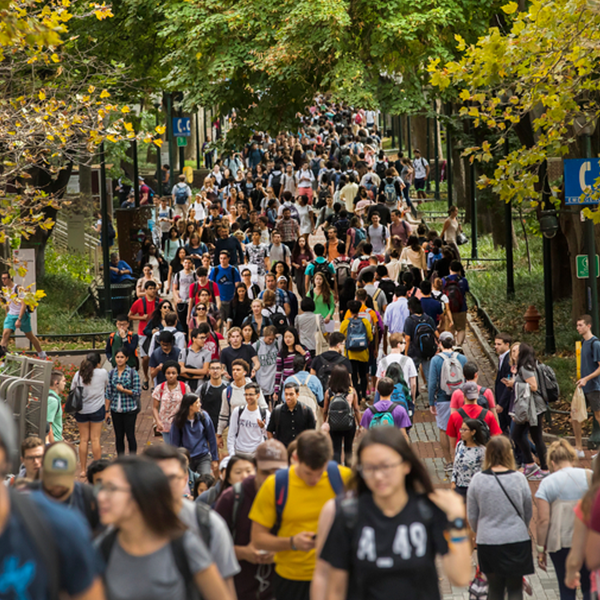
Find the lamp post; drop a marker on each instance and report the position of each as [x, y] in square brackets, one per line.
[157, 105]
[436, 150]
[510, 273]
[105, 252]
[169, 97]
[449, 157]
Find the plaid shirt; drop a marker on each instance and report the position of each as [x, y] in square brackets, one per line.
[289, 229]
[119, 401]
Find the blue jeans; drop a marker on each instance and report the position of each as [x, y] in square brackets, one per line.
[166, 437]
[425, 362]
[558, 560]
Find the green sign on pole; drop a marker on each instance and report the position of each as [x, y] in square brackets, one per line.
[583, 271]
[181, 142]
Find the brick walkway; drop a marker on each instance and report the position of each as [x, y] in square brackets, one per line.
[424, 435]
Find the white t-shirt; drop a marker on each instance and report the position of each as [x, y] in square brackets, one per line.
[378, 237]
[249, 434]
[305, 222]
[419, 165]
[94, 393]
[408, 366]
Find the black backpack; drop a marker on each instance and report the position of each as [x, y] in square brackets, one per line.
[388, 288]
[323, 268]
[324, 372]
[341, 414]
[279, 320]
[485, 430]
[424, 337]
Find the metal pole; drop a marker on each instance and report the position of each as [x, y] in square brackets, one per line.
[449, 158]
[436, 150]
[105, 252]
[547, 250]
[428, 182]
[170, 137]
[136, 174]
[400, 136]
[393, 133]
[181, 150]
[408, 137]
[204, 124]
[591, 246]
[158, 165]
[197, 140]
[473, 211]
[508, 242]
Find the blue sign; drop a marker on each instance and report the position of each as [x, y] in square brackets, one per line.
[580, 178]
[182, 127]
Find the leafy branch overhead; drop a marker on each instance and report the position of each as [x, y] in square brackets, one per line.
[542, 70]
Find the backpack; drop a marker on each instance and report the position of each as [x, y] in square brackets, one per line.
[181, 195]
[323, 268]
[451, 377]
[362, 264]
[424, 336]
[238, 499]
[306, 395]
[356, 335]
[324, 372]
[179, 554]
[549, 388]
[359, 236]
[380, 169]
[40, 533]
[455, 296]
[278, 319]
[276, 183]
[203, 519]
[382, 418]
[341, 414]
[282, 484]
[481, 399]
[389, 191]
[263, 414]
[342, 226]
[388, 288]
[343, 271]
[485, 430]
[111, 337]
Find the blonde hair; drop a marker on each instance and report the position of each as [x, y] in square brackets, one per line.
[510, 358]
[561, 451]
[498, 452]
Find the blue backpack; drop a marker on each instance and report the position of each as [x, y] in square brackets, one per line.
[356, 335]
[181, 195]
[389, 191]
[359, 236]
[382, 418]
[282, 484]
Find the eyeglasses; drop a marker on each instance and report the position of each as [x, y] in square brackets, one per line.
[109, 489]
[202, 308]
[36, 457]
[368, 471]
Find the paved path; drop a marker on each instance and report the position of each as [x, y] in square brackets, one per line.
[424, 435]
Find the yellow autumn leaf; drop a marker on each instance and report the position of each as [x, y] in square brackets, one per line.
[160, 129]
[54, 58]
[104, 94]
[41, 95]
[128, 126]
[510, 8]
[125, 109]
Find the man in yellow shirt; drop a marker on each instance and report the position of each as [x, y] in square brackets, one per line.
[358, 358]
[286, 511]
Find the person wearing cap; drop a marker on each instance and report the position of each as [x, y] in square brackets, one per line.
[439, 400]
[59, 468]
[471, 373]
[26, 566]
[172, 462]
[167, 352]
[256, 576]
[473, 411]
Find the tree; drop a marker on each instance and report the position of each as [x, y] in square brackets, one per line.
[52, 114]
[539, 78]
[269, 59]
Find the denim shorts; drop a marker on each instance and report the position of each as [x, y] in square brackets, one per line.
[443, 415]
[95, 417]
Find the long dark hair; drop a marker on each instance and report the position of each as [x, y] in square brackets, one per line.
[475, 425]
[413, 242]
[339, 381]
[155, 317]
[284, 348]
[226, 483]
[86, 370]
[297, 250]
[183, 411]
[527, 358]
[151, 491]
[176, 263]
[235, 303]
[417, 479]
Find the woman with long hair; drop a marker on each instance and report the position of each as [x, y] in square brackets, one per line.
[93, 379]
[157, 322]
[175, 266]
[468, 455]
[140, 549]
[526, 375]
[248, 334]
[340, 388]
[238, 468]
[155, 259]
[386, 537]
[499, 509]
[556, 498]
[301, 256]
[290, 348]
[172, 243]
[193, 429]
[280, 269]
[240, 306]
[414, 256]
[123, 401]
[324, 301]
[256, 319]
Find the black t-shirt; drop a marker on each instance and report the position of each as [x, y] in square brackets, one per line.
[211, 397]
[389, 557]
[330, 356]
[229, 354]
[409, 329]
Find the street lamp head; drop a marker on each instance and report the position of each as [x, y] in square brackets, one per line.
[548, 223]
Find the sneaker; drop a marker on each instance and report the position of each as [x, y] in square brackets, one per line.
[533, 473]
[42, 355]
[527, 587]
[580, 453]
[145, 385]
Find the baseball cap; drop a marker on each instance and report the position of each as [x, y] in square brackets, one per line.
[282, 278]
[271, 454]
[470, 390]
[446, 335]
[59, 465]
[8, 433]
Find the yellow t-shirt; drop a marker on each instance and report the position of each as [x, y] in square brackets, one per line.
[301, 513]
[360, 355]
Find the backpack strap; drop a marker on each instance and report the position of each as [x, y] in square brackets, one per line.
[40, 532]
[282, 481]
[462, 413]
[335, 477]
[203, 519]
[238, 498]
[144, 305]
[229, 394]
[182, 385]
[91, 506]
[183, 566]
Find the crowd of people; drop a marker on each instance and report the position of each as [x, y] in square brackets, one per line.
[288, 318]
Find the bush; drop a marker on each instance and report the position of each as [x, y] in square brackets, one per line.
[74, 266]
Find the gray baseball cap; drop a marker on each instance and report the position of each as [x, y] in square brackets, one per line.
[470, 390]
[8, 431]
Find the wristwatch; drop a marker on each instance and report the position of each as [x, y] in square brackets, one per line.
[457, 524]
